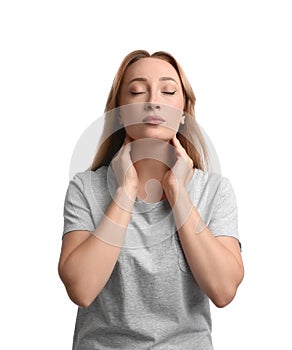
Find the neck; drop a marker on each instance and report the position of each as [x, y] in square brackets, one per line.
[152, 158]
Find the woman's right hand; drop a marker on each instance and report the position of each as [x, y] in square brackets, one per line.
[124, 169]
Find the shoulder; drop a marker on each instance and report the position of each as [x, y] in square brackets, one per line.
[212, 187]
[89, 178]
[204, 178]
[216, 202]
[89, 183]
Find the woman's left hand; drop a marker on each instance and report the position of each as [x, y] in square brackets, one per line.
[182, 170]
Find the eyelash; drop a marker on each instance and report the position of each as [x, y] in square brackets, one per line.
[164, 92]
[169, 92]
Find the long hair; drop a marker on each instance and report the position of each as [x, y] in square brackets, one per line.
[113, 134]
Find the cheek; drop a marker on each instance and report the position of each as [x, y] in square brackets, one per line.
[131, 114]
[172, 116]
[124, 97]
[132, 132]
[178, 102]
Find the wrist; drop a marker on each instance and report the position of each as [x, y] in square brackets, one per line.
[129, 191]
[125, 197]
[175, 193]
[182, 207]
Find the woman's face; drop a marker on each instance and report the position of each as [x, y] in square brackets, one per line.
[151, 100]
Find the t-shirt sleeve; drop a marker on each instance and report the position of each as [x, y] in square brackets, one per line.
[224, 221]
[77, 214]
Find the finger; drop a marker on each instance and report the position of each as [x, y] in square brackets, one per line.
[181, 151]
[175, 141]
[123, 148]
[126, 146]
[127, 140]
[178, 146]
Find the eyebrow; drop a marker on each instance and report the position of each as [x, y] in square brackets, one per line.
[160, 79]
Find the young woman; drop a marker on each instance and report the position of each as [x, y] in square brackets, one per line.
[150, 236]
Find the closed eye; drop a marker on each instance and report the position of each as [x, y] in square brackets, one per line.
[137, 93]
[169, 92]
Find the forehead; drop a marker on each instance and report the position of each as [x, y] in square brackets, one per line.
[150, 68]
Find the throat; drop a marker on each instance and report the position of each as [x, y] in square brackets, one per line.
[150, 173]
[152, 158]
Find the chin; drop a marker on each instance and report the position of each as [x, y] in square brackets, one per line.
[156, 137]
[151, 133]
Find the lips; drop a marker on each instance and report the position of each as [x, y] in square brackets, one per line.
[153, 120]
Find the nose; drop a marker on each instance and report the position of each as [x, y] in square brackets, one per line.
[149, 106]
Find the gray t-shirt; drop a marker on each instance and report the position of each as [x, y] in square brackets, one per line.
[151, 300]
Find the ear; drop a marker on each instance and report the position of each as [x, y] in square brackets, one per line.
[182, 120]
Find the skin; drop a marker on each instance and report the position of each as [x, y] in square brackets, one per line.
[151, 86]
[86, 263]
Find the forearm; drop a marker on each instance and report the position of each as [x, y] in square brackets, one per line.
[215, 268]
[89, 266]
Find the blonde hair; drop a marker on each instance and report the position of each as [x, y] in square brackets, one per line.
[113, 135]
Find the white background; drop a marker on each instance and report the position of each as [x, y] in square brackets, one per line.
[58, 59]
